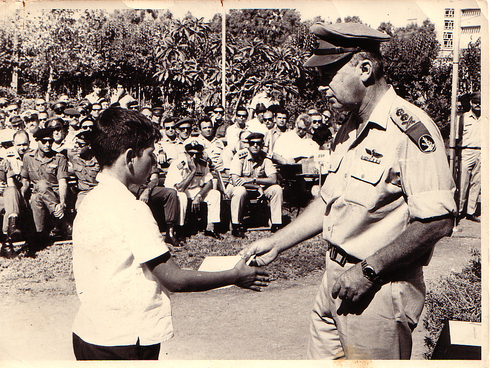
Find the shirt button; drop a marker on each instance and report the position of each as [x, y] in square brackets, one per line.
[328, 228]
[362, 176]
[345, 175]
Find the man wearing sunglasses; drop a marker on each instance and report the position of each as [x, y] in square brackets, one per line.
[232, 132]
[386, 201]
[47, 170]
[253, 174]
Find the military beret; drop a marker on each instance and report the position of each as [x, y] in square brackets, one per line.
[208, 109]
[340, 40]
[184, 121]
[256, 136]
[29, 114]
[43, 133]
[241, 108]
[16, 120]
[158, 110]
[194, 146]
[260, 108]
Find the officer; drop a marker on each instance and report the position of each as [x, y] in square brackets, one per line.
[47, 171]
[387, 199]
[252, 172]
[470, 124]
[84, 165]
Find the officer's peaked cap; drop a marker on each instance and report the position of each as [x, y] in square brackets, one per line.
[340, 40]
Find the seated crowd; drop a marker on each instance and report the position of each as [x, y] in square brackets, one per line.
[47, 166]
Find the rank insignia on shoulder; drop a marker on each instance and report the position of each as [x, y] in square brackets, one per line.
[414, 128]
[242, 153]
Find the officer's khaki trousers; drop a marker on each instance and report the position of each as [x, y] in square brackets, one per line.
[273, 195]
[380, 330]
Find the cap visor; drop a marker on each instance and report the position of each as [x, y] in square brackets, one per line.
[322, 60]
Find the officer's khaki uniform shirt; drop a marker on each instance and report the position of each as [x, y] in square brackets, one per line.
[379, 182]
[243, 165]
[52, 169]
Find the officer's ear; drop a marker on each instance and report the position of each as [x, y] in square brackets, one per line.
[366, 72]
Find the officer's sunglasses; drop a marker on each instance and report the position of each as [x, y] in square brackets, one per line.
[267, 119]
[255, 143]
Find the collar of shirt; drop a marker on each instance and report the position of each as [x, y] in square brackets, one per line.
[382, 109]
[116, 186]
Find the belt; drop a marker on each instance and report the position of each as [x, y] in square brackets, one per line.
[338, 255]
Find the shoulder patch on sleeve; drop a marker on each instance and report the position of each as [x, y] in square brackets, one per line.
[414, 128]
[242, 153]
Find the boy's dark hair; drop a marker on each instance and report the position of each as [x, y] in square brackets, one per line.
[282, 110]
[118, 129]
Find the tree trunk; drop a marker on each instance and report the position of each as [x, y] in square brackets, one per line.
[50, 82]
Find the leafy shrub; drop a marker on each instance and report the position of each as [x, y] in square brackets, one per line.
[456, 297]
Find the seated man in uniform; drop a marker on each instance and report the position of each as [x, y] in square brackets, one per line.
[251, 170]
[47, 170]
[192, 178]
[84, 165]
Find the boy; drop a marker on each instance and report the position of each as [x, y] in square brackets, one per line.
[123, 269]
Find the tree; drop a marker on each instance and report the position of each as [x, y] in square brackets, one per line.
[470, 68]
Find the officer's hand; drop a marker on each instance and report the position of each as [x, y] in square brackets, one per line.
[351, 285]
[196, 204]
[263, 249]
[59, 210]
[251, 277]
[145, 196]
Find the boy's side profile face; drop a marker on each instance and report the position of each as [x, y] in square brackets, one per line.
[142, 164]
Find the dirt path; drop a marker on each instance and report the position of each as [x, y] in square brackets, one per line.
[222, 324]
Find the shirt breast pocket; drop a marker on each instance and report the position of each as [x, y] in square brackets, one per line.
[51, 169]
[365, 184]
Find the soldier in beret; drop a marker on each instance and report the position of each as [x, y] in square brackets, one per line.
[191, 176]
[84, 165]
[47, 170]
[386, 201]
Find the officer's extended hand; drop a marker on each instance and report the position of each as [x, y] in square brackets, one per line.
[351, 285]
[263, 249]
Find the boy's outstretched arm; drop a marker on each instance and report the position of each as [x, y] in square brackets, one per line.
[174, 279]
[305, 226]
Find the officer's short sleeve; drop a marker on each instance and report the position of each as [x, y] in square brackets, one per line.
[236, 166]
[269, 167]
[62, 167]
[425, 176]
[24, 172]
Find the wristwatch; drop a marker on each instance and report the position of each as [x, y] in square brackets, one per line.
[369, 272]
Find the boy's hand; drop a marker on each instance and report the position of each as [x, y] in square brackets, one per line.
[251, 277]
